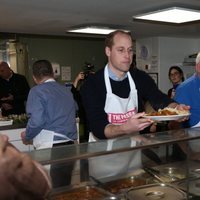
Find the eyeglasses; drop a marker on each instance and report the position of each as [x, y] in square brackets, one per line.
[174, 74]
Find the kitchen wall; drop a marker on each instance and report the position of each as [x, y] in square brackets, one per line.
[156, 55]
[65, 51]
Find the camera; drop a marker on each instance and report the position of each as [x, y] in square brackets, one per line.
[88, 69]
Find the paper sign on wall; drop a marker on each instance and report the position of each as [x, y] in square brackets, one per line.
[66, 73]
[56, 69]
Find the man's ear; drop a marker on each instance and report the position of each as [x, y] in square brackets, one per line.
[107, 51]
[197, 67]
[35, 79]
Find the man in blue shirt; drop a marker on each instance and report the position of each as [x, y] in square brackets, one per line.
[50, 108]
[52, 121]
[189, 93]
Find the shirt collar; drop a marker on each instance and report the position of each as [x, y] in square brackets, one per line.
[49, 80]
[114, 77]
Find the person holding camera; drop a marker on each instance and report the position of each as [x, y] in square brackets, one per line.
[78, 81]
[79, 77]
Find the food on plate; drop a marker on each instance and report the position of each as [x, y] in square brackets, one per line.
[168, 111]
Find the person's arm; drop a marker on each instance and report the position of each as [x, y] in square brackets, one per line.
[21, 89]
[149, 91]
[79, 77]
[36, 112]
[133, 125]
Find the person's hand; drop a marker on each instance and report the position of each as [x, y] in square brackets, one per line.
[23, 137]
[153, 128]
[9, 98]
[6, 106]
[137, 123]
[181, 107]
[80, 76]
[3, 143]
[17, 170]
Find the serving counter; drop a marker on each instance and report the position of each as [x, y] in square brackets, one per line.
[14, 134]
[129, 166]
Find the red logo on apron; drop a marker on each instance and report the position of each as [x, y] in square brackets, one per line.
[120, 118]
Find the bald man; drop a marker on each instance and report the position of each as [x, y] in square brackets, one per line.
[14, 90]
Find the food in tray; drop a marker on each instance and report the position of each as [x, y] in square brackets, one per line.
[19, 119]
[87, 192]
[115, 186]
[4, 119]
[13, 119]
[167, 111]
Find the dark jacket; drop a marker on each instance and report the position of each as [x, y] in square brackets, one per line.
[93, 94]
[17, 86]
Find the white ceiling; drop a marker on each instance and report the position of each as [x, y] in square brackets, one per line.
[53, 17]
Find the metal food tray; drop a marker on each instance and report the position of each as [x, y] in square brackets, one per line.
[169, 173]
[121, 183]
[179, 171]
[156, 191]
[87, 192]
[116, 186]
[192, 186]
[196, 172]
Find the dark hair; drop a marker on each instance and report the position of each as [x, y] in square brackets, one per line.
[177, 69]
[109, 41]
[42, 68]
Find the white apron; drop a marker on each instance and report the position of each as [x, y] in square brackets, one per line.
[119, 110]
[45, 139]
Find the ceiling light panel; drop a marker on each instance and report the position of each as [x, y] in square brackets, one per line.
[172, 15]
[92, 30]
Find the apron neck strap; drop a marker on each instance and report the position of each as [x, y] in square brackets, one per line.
[107, 81]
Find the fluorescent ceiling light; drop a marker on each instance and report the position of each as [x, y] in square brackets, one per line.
[172, 15]
[92, 30]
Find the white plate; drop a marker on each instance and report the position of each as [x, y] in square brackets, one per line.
[166, 117]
